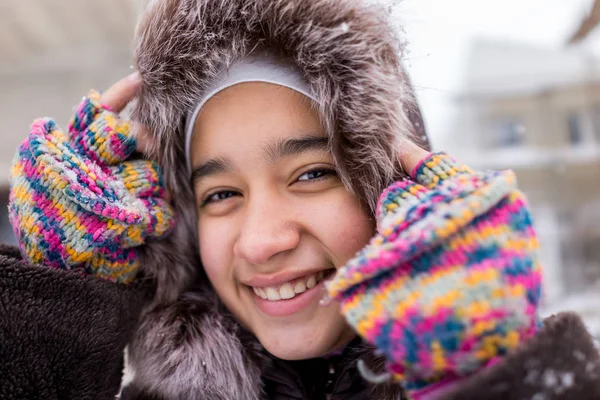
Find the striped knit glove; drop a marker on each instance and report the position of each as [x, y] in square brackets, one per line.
[76, 203]
[452, 279]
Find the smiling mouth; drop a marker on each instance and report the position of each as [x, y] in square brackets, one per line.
[293, 288]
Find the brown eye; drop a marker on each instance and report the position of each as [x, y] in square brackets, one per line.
[219, 196]
[315, 175]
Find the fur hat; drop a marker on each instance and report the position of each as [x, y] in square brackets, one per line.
[349, 53]
[347, 50]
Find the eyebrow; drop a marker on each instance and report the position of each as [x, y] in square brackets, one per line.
[211, 167]
[273, 152]
[292, 147]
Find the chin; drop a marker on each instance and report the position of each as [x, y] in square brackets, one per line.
[306, 341]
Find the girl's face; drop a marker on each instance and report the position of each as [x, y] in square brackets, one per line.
[274, 219]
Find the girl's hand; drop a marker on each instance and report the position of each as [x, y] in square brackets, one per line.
[410, 156]
[78, 201]
[452, 279]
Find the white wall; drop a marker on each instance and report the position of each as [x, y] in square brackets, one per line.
[49, 92]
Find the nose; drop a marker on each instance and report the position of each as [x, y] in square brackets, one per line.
[268, 230]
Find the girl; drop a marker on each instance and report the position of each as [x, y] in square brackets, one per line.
[308, 248]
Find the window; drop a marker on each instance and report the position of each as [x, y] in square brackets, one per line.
[596, 123]
[575, 128]
[508, 132]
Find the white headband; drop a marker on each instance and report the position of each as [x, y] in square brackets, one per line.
[253, 68]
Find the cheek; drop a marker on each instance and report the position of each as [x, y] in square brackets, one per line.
[344, 227]
[214, 254]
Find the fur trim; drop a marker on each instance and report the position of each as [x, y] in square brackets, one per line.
[347, 49]
[193, 349]
[350, 55]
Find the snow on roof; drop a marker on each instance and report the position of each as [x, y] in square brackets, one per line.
[496, 68]
[527, 157]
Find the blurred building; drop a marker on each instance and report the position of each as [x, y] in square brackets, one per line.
[51, 53]
[537, 111]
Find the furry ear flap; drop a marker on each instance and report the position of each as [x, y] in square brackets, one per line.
[174, 262]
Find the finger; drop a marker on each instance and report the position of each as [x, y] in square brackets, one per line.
[410, 155]
[142, 178]
[142, 136]
[398, 195]
[168, 196]
[159, 223]
[121, 93]
[107, 140]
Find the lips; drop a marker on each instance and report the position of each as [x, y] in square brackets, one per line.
[290, 297]
[290, 289]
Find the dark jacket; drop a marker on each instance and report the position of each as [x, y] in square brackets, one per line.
[62, 336]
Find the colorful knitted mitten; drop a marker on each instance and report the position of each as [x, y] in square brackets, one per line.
[75, 202]
[452, 279]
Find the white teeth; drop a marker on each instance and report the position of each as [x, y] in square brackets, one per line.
[260, 292]
[300, 287]
[286, 291]
[273, 294]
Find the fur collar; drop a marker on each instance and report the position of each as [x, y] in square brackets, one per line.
[350, 54]
[194, 349]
